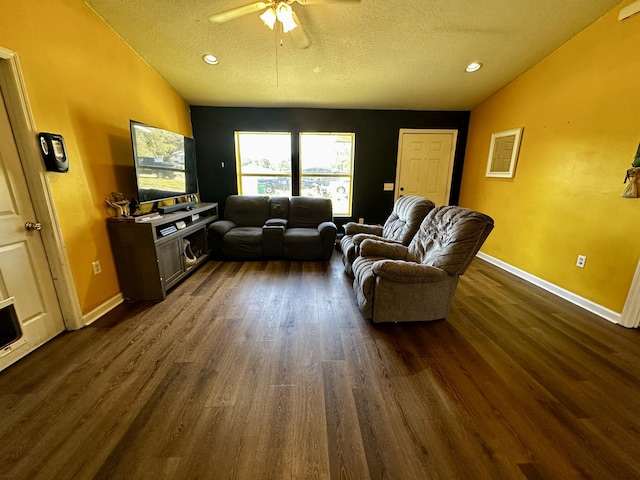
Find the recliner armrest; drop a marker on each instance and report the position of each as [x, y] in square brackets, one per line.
[377, 248]
[352, 228]
[361, 237]
[407, 272]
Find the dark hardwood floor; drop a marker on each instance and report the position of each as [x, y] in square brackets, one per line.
[263, 370]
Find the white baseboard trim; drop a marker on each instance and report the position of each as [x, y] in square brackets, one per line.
[103, 309]
[582, 302]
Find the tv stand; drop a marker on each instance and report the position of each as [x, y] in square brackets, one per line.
[175, 207]
[150, 253]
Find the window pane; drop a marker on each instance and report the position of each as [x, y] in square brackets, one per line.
[264, 163]
[264, 152]
[326, 152]
[338, 189]
[326, 168]
[259, 185]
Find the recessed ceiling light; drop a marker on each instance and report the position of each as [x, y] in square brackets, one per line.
[473, 67]
[210, 59]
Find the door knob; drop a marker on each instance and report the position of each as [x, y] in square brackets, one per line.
[33, 226]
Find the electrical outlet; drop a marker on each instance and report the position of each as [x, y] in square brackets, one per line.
[361, 220]
[97, 269]
[581, 261]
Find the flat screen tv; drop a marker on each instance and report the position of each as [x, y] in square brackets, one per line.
[165, 163]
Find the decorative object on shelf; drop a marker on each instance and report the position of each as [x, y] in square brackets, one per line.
[189, 257]
[636, 159]
[119, 203]
[503, 153]
[134, 207]
[631, 190]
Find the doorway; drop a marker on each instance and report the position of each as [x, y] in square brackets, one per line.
[34, 271]
[425, 164]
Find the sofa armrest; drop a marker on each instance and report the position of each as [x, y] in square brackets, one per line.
[221, 227]
[328, 231]
[216, 232]
[352, 228]
[276, 222]
[407, 272]
[376, 248]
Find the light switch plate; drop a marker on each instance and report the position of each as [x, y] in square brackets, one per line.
[388, 187]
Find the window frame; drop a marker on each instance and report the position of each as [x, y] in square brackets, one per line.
[349, 176]
[240, 175]
[295, 177]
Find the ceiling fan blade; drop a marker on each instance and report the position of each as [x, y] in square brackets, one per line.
[234, 13]
[299, 36]
[320, 2]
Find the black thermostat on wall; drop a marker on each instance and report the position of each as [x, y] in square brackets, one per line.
[54, 152]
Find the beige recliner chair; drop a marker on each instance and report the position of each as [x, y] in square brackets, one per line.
[406, 216]
[394, 283]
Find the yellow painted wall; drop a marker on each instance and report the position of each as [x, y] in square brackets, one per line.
[580, 109]
[85, 83]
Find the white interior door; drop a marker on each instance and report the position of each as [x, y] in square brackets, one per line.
[425, 164]
[24, 271]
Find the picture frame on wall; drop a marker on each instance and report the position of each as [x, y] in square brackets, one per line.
[503, 153]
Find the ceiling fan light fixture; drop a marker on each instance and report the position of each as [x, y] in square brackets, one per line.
[285, 16]
[473, 67]
[269, 17]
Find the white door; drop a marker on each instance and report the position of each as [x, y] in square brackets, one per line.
[425, 164]
[24, 271]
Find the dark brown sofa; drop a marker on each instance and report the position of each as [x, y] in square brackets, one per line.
[255, 227]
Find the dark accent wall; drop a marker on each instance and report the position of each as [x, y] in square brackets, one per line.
[376, 150]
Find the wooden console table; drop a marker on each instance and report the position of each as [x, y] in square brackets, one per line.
[149, 253]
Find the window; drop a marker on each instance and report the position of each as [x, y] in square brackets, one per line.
[326, 168]
[264, 163]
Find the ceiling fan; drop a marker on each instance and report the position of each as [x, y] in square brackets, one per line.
[276, 11]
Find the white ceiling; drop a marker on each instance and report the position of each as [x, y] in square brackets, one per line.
[375, 54]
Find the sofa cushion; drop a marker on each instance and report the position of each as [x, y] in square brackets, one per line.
[309, 212]
[247, 210]
[302, 243]
[449, 238]
[279, 207]
[243, 242]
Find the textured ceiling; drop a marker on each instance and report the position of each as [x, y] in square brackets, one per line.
[406, 55]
